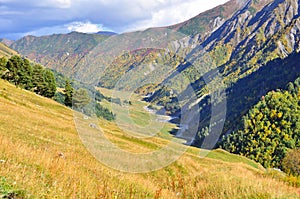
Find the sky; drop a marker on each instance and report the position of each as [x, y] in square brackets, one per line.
[44, 17]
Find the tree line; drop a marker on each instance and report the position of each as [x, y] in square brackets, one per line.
[80, 100]
[33, 77]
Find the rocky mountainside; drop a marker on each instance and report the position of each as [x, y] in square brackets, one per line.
[253, 51]
[206, 22]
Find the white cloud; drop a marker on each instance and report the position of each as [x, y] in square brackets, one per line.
[85, 27]
[175, 12]
[57, 3]
[93, 15]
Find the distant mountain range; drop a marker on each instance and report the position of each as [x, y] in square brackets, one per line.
[252, 44]
[108, 33]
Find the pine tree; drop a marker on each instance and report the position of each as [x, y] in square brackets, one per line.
[3, 62]
[43, 81]
[38, 79]
[25, 75]
[68, 93]
[49, 88]
[13, 66]
[81, 99]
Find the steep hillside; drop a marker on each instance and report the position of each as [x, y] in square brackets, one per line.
[205, 23]
[243, 45]
[7, 42]
[60, 52]
[5, 51]
[46, 160]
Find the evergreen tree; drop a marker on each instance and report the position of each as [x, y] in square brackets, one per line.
[25, 75]
[37, 79]
[13, 66]
[43, 81]
[49, 88]
[3, 62]
[104, 112]
[68, 93]
[81, 99]
[20, 72]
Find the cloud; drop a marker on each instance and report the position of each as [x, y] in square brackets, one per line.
[86, 27]
[63, 4]
[178, 11]
[31, 16]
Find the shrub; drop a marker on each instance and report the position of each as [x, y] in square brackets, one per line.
[291, 162]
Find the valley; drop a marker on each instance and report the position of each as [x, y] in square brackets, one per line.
[206, 108]
[32, 161]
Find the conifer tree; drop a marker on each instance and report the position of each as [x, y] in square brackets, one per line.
[68, 93]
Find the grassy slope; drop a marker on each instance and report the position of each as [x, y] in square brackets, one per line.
[6, 51]
[34, 130]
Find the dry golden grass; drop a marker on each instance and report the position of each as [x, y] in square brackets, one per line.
[42, 153]
[5, 51]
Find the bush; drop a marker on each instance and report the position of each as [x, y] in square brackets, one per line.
[291, 162]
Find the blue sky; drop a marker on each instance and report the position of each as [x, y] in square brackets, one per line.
[43, 17]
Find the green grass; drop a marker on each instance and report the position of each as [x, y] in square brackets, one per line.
[228, 157]
[7, 190]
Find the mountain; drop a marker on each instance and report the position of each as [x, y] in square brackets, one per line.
[254, 51]
[108, 33]
[40, 158]
[7, 42]
[208, 21]
[53, 52]
[240, 51]
[202, 76]
[61, 52]
[177, 65]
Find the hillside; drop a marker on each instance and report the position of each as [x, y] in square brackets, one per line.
[60, 52]
[5, 51]
[40, 159]
[205, 23]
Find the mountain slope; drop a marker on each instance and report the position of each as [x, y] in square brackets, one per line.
[57, 53]
[245, 43]
[5, 51]
[60, 52]
[206, 22]
[49, 161]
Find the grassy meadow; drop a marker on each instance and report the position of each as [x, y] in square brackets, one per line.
[42, 156]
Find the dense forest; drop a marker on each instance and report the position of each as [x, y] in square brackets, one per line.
[270, 130]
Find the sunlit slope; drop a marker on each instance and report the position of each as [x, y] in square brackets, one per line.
[6, 51]
[41, 153]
